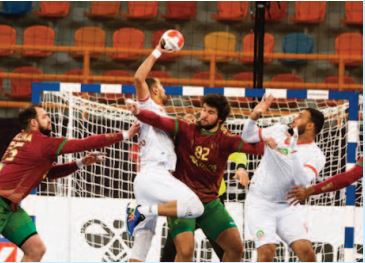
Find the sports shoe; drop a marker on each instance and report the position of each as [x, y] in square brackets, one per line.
[133, 217]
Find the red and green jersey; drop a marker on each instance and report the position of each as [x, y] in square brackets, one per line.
[201, 155]
[31, 155]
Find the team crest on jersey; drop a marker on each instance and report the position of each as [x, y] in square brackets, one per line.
[283, 150]
[260, 234]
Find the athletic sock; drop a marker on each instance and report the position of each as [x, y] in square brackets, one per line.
[148, 210]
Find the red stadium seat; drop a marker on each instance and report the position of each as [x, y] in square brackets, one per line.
[310, 12]
[231, 11]
[53, 9]
[128, 38]
[142, 9]
[204, 75]
[287, 77]
[180, 10]
[248, 46]
[276, 11]
[159, 74]
[244, 76]
[118, 73]
[349, 44]
[334, 79]
[353, 12]
[38, 36]
[89, 36]
[7, 37]
[156, 36]
[103, 9]
[22, 88]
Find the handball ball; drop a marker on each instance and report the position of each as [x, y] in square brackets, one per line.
[172, 40]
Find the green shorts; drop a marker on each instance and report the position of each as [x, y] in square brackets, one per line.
[214, 221]
[16, 226]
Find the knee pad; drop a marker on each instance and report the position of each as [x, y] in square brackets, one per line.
[190, 207]
[142, 244]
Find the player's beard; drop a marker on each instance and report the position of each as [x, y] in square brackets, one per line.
[45, 131]
[206, 127]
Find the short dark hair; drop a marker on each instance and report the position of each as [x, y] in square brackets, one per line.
[219, 102]
[317, 118]
[27, 114]
[151, 82]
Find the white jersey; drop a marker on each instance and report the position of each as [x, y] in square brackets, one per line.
[275, 175]
[156, 147]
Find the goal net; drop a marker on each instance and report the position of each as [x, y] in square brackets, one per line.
[83, 114]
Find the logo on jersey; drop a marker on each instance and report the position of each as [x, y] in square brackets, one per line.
[283, 150]
[113, 240]
[260, 234]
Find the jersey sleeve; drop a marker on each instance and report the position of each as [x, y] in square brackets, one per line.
[305, 172]
[235, 143]
[252, 133]
[51, 146]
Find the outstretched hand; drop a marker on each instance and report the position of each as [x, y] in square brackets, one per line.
[262, 106]
[132, 106]
[93, 157]
[241, 175]
[298, 194]
[134, 129]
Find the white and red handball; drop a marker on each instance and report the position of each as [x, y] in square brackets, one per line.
[172, 40]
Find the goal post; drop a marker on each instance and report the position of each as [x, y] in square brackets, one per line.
[78, 110]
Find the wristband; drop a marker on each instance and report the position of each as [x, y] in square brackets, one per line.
[156, 53]
[125, 135]
[79, 163]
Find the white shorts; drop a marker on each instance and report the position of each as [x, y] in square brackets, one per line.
[267, 221]
[156, 185]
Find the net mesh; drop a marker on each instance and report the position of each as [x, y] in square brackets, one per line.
[80, 115]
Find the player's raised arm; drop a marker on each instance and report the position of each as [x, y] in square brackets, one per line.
[142, 72]
[252, 133]
[62, 170]
[53, 147]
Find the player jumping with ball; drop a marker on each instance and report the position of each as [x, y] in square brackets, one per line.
[156, 190]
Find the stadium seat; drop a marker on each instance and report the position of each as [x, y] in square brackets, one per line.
[159, 74]
[334, 79]
[298, 43]
[38, 36]
[246, 76]
[16, 8]
[118, 73]
[89, 36]
[129, 38]
[103, 9]
[156, 36]
[287, 77]
[204, 75]
[353, 12]
[311, 12]
[22, 88]
[7, 37]
[180, 10]
[349, 44]
[276, 11]
[248, 46]
[231, 11]
[142, 9]
[219, 41]
[53, 9]
[74, 72]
